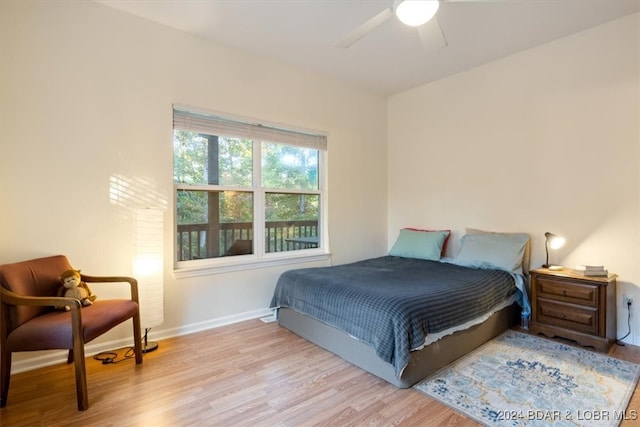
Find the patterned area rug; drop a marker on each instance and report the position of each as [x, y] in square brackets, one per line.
[518, 379]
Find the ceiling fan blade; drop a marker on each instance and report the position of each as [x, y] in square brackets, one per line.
[365, 28]
[431, 36]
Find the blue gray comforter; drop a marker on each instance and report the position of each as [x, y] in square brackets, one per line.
[393, 303]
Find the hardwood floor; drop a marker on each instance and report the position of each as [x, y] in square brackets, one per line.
[247, 374]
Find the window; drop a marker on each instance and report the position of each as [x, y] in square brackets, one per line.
[245, 189]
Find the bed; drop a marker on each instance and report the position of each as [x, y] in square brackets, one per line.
[405, 315]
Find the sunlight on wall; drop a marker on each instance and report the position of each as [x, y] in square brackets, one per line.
[129, 193]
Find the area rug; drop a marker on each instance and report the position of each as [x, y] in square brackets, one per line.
[518, 379]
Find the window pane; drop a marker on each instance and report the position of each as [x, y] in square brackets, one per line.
[210, 159]
[288, 167]
[291, 221]
[212, 224]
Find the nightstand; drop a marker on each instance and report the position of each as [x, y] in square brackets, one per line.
[570, 305]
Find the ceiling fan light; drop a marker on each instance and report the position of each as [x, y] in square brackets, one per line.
[415, 12]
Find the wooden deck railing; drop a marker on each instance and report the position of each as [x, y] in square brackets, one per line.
[197, 241]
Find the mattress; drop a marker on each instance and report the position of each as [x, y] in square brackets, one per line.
[394, 304]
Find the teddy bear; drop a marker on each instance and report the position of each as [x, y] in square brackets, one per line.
[73, 287]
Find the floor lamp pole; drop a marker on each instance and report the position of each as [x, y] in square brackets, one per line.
[148, 346]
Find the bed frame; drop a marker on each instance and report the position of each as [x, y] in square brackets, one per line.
[422, 363]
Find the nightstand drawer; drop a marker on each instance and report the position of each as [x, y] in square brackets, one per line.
[570, 316]
[560, 290]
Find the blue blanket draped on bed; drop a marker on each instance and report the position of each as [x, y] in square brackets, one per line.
[392, 303]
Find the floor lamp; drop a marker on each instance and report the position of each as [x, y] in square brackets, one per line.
[148, 270]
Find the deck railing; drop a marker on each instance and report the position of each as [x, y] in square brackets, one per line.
[197, 241]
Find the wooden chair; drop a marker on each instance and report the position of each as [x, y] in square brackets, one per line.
[30, 322]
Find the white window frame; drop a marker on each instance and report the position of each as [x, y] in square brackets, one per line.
[188, 118]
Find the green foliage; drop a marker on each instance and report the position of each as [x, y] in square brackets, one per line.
[192, 207]
[235, 162]
[287, 167]
[291, 207]
[236, 206]
[191, 153]
[189, 157]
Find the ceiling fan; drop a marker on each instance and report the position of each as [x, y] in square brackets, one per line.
[414, 13]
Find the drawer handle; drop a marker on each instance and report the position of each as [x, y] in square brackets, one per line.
[564, 293]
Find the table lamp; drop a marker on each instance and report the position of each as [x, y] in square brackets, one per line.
[554, 242]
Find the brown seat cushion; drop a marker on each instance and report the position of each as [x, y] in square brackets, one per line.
[53, 330]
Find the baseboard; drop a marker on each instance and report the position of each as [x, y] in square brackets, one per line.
[161, 334]
[156, 334]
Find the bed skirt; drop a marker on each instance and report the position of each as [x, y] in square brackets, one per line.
[422, 363]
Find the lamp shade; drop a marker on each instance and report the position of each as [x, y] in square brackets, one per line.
[148, 265]
[415, 12]
[554, 242]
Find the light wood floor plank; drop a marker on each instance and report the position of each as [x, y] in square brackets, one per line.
[247, 374]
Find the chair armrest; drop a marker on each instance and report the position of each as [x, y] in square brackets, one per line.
[75, 310]
[11, 298]
[133, 283]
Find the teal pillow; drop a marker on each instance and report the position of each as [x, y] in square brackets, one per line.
[419, 244]
[501, 251]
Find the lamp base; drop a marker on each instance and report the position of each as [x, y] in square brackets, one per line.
[149, 346]
[146, 345]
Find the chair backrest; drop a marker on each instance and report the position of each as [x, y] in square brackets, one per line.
[37, 277]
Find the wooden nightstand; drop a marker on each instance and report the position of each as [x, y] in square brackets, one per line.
[570, 305]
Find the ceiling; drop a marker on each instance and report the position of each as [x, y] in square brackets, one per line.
[391, 58]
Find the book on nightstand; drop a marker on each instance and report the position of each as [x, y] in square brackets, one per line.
[603, 273]
[592, 270]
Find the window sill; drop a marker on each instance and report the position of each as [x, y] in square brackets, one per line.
[246, 263]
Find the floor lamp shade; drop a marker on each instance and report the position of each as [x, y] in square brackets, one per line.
[148, 265]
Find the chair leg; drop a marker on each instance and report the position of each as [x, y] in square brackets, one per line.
[81, 377]
[5, 376]
[137, 338]
[70, 357]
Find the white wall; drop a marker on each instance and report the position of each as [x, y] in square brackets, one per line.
[543, 140]
[86, 137]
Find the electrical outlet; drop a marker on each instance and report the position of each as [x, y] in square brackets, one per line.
[627, 300]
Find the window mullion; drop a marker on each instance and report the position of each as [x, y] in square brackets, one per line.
[258, 201]
[289, 191]
[210, 187]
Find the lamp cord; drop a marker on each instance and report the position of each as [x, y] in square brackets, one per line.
[108, 357]
[619, 340]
